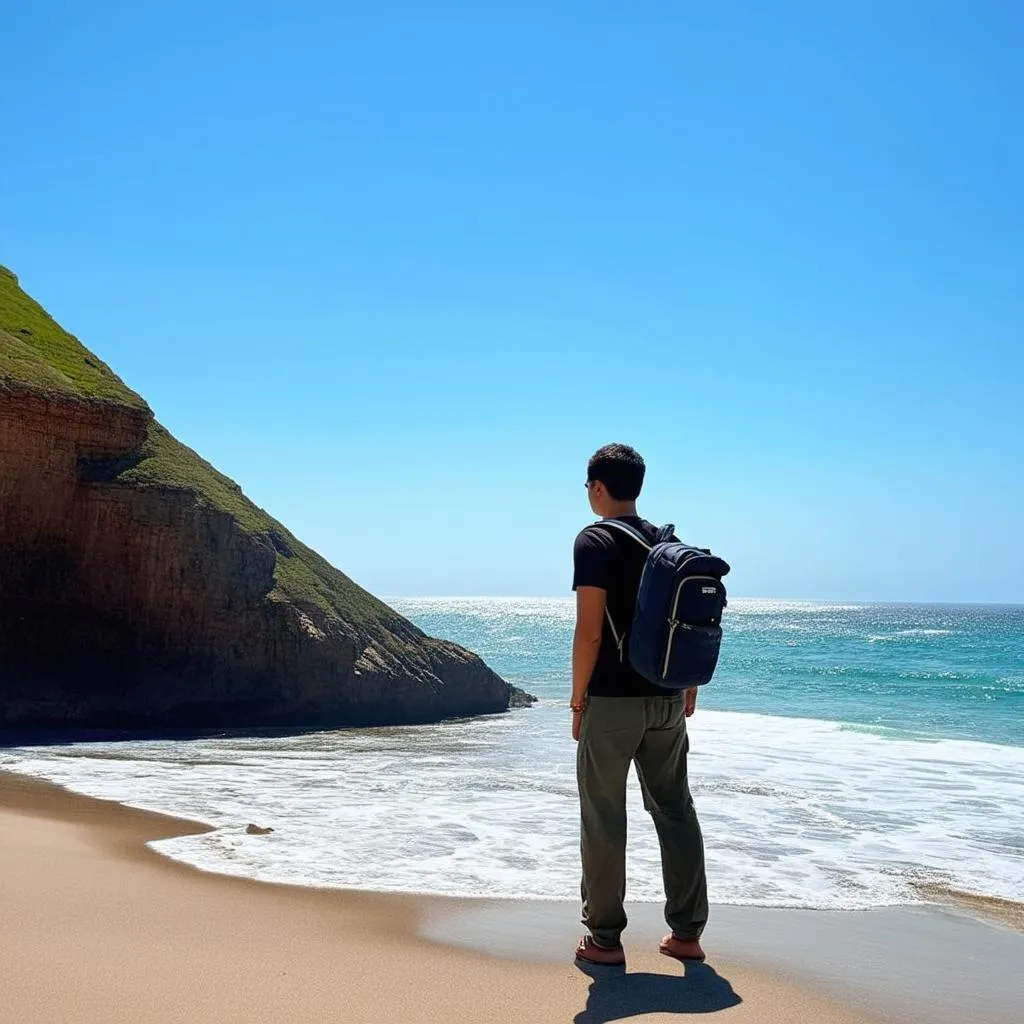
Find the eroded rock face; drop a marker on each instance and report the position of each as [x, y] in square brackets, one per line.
[144, 607]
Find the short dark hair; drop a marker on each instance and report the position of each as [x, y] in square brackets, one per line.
[620, 469]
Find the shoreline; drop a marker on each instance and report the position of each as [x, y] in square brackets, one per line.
[33, 792]
[96, 927]
[85, 861]
[983, 908]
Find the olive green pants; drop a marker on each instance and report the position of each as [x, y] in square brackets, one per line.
[649, 732]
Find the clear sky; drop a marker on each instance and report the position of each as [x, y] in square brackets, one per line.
[399, 267]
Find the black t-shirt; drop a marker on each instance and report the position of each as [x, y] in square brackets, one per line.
[608, 558]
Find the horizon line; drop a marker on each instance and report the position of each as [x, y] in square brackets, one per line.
[794, 600]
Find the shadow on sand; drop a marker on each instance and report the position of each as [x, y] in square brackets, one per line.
[616, 995]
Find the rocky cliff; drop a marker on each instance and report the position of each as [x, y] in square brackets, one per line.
[140, 589]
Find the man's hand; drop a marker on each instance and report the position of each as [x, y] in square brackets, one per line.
[577, 722]
[691, 702]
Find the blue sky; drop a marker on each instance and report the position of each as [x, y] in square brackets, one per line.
[399, 268]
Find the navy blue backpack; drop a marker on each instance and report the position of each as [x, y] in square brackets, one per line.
[676, 632]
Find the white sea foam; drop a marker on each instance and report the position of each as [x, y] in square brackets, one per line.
[795, 812]
[903, 634]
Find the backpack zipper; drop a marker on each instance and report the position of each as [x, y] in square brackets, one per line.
[674, 623]
[668, 650]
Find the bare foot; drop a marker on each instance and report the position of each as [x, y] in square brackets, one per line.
[681, 949]
[590, 952]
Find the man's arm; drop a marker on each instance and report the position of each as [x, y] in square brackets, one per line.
[591, 576]
[586, 642]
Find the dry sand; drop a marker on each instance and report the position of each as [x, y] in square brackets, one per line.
[95, 927]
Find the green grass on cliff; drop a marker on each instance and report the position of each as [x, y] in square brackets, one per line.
[35, 350]
[166, 462]
[301, 574]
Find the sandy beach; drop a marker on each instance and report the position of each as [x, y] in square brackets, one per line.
[95, 927]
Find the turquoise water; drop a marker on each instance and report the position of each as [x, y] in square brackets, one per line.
[922, 670]
[842, 755]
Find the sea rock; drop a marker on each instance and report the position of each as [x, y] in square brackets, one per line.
[141, 590]
[256, 830]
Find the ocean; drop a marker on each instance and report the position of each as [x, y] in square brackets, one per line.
[843, 754]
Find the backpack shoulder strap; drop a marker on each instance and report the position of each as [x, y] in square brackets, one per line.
[633, 532]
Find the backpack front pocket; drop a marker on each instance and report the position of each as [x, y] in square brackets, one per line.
[691, 654]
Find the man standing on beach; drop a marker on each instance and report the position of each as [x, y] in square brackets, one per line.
[619, 718]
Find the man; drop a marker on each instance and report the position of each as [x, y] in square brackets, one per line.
[619, 718]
